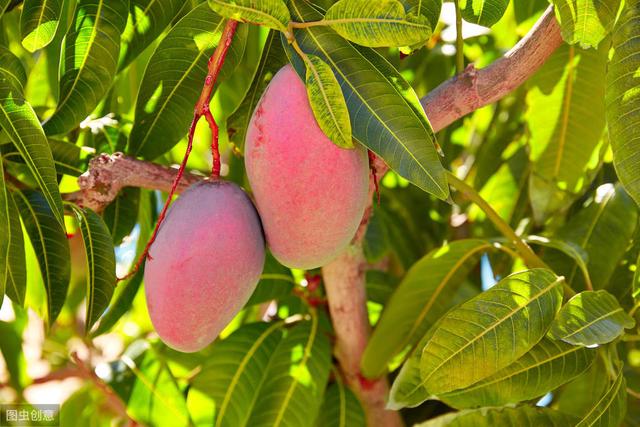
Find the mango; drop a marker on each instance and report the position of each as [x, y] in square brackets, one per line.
[310, 194]
[205, 263]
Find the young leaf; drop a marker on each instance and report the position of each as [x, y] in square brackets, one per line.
[547, 366]
[327, 102]
[566, 138]
[586, 22]
[50, 245]
[21, 124]
[468, 345]
[147, 20]
[295, 381]
[483, 12]
[91, 50]
[384, 109]
[270, 13]
[492, 417]
[611, 408]
[340, 408]
[422, 297]
[173, 80]
[228, 385]
[39, 22]
[381, 23]
[101, 263]
[591, 318]
[16, 275]
[623, 99]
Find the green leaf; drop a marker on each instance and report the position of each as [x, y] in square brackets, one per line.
[327, 102]
[4, 5]
[275, 282]
[611, 408]
[407, 389]
[16, 275]
[270, 13]
[586, 22]
[296, 379]
[591, 318]
[380, 286]
[51, 247]
[101, 263]
[568, 248]
[492, 417]
[580, 395]
[603, 228]
[39, 22]
[547, 366]
[422, 297]
[173, 80]
[340, 408]
[147, 20]
[385, 111]
[228, 386]
[469, 345]
[273, 58]
[382, 23]
[428, 8]
[121, 214]
[483, 12]
[623, 99]
[566, 138]
[91, 50]
[21, 124]
[68, 158]
[12, 70]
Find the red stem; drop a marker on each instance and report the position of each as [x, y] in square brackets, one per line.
[202, 108]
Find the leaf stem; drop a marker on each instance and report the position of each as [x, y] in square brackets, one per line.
[459, 39]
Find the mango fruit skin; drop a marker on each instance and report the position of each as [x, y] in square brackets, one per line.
[310, 194]
[205, 264]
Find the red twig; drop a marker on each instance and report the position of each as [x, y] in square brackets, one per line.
[201, 109]
[372, 166]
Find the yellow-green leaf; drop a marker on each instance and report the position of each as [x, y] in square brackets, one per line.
[610, 409]
[39, 22]
[586, 22]
[270, 13]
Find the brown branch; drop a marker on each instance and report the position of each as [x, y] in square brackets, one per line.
[474, 88]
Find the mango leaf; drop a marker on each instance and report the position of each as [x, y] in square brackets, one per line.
[423, 296]
[21, 124]
[91, 50]
[385, 112]
[547, 366]
[273, 58]
[39, 22]
[50, 245]
[591, 318]
[327, 102]
[580, 395]
[586, 22]
[603, 228]
[228, 385]
[275, 282]
[5, 230]
[382, 23]
[4, 5]
[147, 20]
[611, 408]
[122, 214]
[296, 379]
[491, 417]
[173, 80]
[469, 344]
[623, 99]
[483, 12]
[380, 287]
[101, 263]
[427, 8]
[526, 9]
[568, 248]
[16, 274]
[270, 13]
[68, 158]
[340, 408]
[566, 138]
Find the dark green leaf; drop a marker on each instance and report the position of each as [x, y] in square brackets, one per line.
[340, 408]
[16, 275]
[5, 231]
[91, 50]
[173, 80]
[39, 22]
[51, 247]
[483, 12]
[121, 215]
[493, 417]
[428, 8]
[586, 22]
[568, 248]
[422, 297]
[385, 111]
[101, 263]
[610, 409]
[623, 99]
[591, 318]
[270, 13]
[380, 286]
[547, 366]
[12, 70]
[275, 282]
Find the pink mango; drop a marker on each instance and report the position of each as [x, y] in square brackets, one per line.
[205, 263]
[310, 194]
